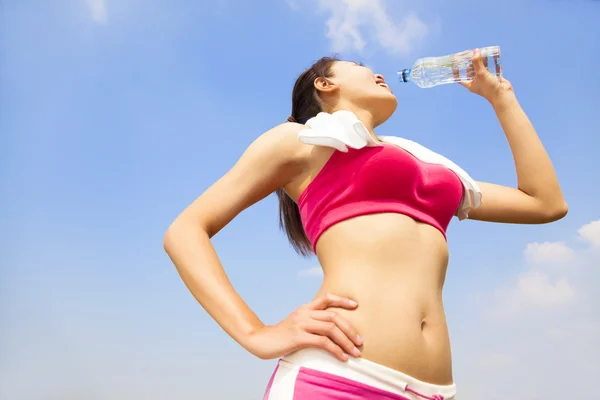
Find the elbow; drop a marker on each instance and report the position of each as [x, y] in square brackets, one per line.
[556, 212]
[173, 236]
[562, 211]
[169, 239]
[180, 232]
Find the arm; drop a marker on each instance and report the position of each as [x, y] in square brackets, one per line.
[272, 161]
[538, 197]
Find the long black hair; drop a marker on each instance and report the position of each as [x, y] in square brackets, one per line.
[305, 105]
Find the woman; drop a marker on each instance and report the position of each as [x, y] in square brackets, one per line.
[375, 215]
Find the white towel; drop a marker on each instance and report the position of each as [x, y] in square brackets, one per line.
[343, 129]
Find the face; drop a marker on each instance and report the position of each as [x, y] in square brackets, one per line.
[355, 84]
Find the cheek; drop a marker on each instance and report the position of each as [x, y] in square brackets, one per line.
[360, 85]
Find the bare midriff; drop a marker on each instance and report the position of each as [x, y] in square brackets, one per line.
[395, 268]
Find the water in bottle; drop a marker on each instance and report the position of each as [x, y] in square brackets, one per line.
[433, 71]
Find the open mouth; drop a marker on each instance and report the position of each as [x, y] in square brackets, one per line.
[381, 82]
[384, 85]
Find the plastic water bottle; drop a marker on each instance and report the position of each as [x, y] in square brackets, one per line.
[433, 71]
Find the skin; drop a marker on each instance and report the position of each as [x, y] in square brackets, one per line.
[381, 296]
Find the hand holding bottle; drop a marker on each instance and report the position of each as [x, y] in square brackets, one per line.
[311, 325]
[428, 72]
[482, 82]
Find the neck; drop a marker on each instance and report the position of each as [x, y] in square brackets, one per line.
[363, 115]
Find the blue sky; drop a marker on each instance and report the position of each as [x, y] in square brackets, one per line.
[114, 115]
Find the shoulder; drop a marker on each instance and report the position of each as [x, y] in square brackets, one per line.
[281, 144]
[282, 135]
[276, 156]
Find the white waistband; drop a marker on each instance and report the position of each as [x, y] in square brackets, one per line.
[367, 372]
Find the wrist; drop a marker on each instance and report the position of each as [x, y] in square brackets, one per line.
[503, 100]
[248, 339]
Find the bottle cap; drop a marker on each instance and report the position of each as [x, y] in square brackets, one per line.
[404, 75]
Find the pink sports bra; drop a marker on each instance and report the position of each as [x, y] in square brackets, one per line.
[381, 179]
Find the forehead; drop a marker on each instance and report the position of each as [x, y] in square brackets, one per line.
[343, 66]
[348, 63]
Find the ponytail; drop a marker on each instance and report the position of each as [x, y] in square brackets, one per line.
[305, 105]
[291, 223]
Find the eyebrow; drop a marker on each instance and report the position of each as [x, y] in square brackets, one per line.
[356, 63]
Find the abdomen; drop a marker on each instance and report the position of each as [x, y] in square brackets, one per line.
[394, 267]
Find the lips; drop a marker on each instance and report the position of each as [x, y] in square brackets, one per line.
[384, 85]
[381, 82]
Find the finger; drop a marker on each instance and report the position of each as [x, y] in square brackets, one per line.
[497, 64]
[327, 344]
[470, 71]
[456, 76]
[332, 300]
[343, 324]
[478, 62]
[335, 334]
[455, 73]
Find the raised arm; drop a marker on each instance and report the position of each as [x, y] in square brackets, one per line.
[274, 160]
[538, 198]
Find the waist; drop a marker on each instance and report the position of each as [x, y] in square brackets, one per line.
[362, 371]
[402, 329]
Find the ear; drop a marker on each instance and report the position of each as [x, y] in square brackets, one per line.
[325, 85]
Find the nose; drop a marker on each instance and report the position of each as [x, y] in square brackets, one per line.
[379, 77]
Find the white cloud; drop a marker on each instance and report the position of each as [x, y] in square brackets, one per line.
[548, 252]
[549, 321]
[539, 287]
[355, 24]
[531, 290]
[309, 272]
[591, 233]
[536, 289]
[98, 11]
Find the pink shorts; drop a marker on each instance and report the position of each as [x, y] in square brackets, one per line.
[313, 374]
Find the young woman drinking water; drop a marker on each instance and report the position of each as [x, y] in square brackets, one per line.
[375, 211]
